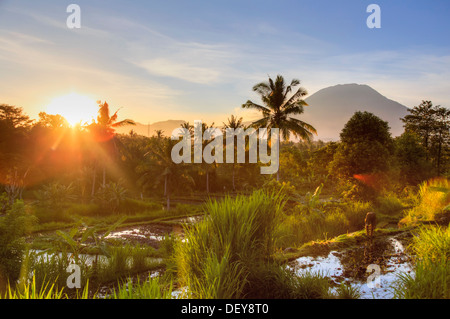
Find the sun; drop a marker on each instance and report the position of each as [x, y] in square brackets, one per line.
[75, 108]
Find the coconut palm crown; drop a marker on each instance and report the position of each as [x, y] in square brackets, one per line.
[278, 108]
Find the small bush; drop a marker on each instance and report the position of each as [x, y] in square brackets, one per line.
[389, 205]
[356, 214]
[434, 197]
[13, 227]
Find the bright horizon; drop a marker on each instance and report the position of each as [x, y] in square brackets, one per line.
[200, 60]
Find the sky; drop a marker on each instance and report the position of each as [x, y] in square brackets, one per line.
[198, 60]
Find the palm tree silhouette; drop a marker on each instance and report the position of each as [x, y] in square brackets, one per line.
[234, 123]
[103, 131]
[278, 109]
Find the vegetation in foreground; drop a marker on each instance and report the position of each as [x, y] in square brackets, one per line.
[63, 189]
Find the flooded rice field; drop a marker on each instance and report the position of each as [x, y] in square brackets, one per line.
[153, 234]
[372, 267]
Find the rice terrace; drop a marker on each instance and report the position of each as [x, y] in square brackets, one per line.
[152, 153]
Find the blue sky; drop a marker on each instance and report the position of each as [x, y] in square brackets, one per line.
[192, 60]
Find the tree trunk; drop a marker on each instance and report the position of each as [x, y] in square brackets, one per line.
[279, 147]
[104, 176]
[207, 182]
[93, 181]
[167, 192]
[234, 186]
[165, 185]
[439, 155]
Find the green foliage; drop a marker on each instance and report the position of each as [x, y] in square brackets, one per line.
[75, 209]
[236, 234]
[55, 195]
[389, 204]
[111, 196]
[363, 156]
[347, 291]
[34, 291]
[431, 123]
[52, 200]
[285, 188]
[130, 206]
[411, 159]
[432, 243]
[434, 196]
[325, 221]
[431, 279]
[48, 266]
[13, 227]
[152, 288]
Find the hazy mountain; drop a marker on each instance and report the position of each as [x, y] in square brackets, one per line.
[149, 129]
[330, 108]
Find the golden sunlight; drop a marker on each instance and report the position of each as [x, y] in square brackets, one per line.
[75, 108]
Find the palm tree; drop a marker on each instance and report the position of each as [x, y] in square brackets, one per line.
[189, 127]
[159, 133]
[104, 132]
[233, 123]
[278, 109]
[160, 164]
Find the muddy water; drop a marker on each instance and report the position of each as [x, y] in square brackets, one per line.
[372, 268]
[153, 234]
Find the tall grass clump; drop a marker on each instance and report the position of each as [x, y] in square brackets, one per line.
[431, 278]
[153, 288]
[302, 225]
[434, 198]
[219, 253]
[31, 290]
[389, 204]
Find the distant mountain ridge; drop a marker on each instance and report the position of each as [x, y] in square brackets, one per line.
[149, 129]
[330, 108]
[328, 111]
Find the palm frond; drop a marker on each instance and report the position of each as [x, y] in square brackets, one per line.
[124, 123]
[250, 105]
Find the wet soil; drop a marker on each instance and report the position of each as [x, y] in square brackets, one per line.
[382, 251]
[351, 264]
[151, 234]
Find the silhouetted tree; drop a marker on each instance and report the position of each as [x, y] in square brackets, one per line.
[279, 108]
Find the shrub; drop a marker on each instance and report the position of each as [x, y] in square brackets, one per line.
[434, 197]
[55, 194]
[13, 227]
[356, 212]
[110, 196]
[388, 205]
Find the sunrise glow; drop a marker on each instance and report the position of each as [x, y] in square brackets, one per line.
[75, 108]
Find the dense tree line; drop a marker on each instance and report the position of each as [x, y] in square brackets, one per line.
[366, 159]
